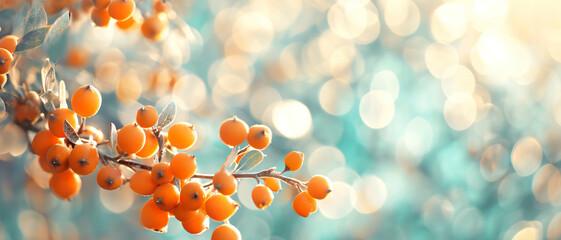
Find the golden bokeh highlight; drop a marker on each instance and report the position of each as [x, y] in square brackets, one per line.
[377, 109]
[526, 156]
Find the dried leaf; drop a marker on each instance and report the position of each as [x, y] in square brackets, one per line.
[36, 18]
[70, 133]
[113, 139]
[44, 72]
[231, 159]
[50, 79]
[62, 95]
[250, 160]
[32, 39]
[49, 99]
[167, 115]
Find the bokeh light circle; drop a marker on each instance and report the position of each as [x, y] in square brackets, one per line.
[377, 109]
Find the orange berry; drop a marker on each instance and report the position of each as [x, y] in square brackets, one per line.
[83, 159]
[92, 131]
[304, 204]
[262, 196]
[233, 131]
[33, 98]
[42, 141]
[259, 136]
[192, 196]
[100, 17]
[150, 146]
[225, 183]
[65, 185]
[26, 111]
[15, 4]
[183, 165]
[182, 135]
[152, 218]
[319, 187]
[161, 6]
[54, 6]
[155, 27]
[86, 5]
[161, 173]
[9, 42]
[219, 207]
[121, 9]
[166, 196]
[86, 101]
[142, 183]
[101, 4]
[3, 80]
[131, 138]
[44, 164]
[109, 177]
[57, 158]
[293, 161]
[273, 184]
[131, 23]
[183, 214]
[6, 59]
[147, 116]
[56, 121]
[198, 224]
[226, 232]
[78, 57]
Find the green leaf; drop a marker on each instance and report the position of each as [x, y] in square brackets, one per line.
[33, 39]
[113, 139]
[7, 96]
[6, 16]
[70, 133]
[250, 160]
[167, 115]
[2, 107]
[36, 18]
[60, 25]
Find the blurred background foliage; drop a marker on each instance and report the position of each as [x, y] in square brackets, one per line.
[434, 119]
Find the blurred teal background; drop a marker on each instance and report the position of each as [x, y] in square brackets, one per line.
[433, 119]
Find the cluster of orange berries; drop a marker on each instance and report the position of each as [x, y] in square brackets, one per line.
[171, 184]
[128, 17]
[234, 132]
[8, 45]
[65, 160]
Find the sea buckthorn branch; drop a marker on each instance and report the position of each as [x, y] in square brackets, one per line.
[69, 148]
[68, 154]
[129, 162]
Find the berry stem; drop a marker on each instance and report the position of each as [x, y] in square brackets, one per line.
[158, 133]
[82, 125]
[264, 173]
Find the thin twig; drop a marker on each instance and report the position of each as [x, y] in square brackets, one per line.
[82, 125]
